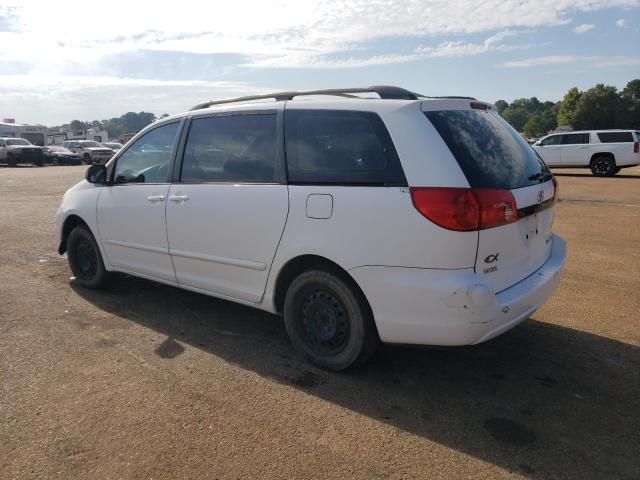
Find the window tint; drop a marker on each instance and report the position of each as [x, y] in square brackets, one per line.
[615, 137]
[575, 138]
[233, 148]
[147, 160]
[490, 153]
[552, 140]
[340, 147]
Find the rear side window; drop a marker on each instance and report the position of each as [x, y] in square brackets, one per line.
[552, 140]
[340, 148]
[490, 153]
[231, 148]
[575, 138]
[615, 137]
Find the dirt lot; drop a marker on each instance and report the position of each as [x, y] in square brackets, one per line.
[148, 381]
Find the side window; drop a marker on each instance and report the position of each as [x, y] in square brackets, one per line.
[340, 147]
[552, 140]
[615, 137]
[147, 160]
[575, 139]
[231, 148]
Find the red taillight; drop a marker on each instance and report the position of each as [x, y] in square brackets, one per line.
[465, 209]
[636, 147]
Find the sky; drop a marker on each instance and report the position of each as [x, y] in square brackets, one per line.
[63, 60]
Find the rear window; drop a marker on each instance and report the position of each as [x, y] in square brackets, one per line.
[490, 153]
[615, 137]
[340, 148]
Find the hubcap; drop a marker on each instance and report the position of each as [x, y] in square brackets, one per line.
[325, 322]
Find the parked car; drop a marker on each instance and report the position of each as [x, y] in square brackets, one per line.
[89, 150]
[115, 146]
[605, 152]
[19, 150]
[58, 155]
[402, 219]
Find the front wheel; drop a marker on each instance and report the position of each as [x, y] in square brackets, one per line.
[329, 321]
[85, 259]
[87, 159]
[603, 167]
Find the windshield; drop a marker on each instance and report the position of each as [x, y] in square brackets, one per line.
[490, 153]
[17, 141]
[90, 144]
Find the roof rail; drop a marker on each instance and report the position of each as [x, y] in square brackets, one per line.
[384, 91]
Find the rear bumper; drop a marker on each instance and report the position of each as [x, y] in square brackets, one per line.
[453, 307]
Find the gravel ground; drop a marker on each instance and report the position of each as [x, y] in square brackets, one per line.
[148, 381]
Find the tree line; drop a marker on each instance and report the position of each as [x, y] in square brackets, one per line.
[130, 122]
[599, 107]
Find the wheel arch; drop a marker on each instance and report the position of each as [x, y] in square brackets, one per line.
[71, 222]
[302, 263]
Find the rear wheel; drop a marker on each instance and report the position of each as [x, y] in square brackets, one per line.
[11, 162]
[85, 259]
[87, 159]
[328, 321]
[603, 166]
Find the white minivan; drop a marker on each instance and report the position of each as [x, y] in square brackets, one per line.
[605, 152]
[402, 219]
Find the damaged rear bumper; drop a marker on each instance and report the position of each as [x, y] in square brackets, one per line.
[453, 307]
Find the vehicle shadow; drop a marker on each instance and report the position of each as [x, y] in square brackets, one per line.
[542, 400]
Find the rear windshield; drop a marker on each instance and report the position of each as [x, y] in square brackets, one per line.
[615, 137]
[490, 153]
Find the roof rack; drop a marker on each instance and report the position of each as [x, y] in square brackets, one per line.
[384, 91]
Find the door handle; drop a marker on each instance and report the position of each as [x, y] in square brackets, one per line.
[179, 198]
[155, 198]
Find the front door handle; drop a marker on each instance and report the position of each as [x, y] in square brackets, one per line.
[179, 198]
[155, 198]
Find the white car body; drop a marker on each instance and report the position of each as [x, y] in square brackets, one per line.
[581, 148]
[89, 150]
[425, 284]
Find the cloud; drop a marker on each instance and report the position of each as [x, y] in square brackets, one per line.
[449, 49]
[621, 23]
[584, 28]
[595, 61]
[266, 30]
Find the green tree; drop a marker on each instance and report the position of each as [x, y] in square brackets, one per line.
[599, 107]
[566, 112]
[517, 117]
[631, 104]
[540, 123]
[501, 105]
[77, 125]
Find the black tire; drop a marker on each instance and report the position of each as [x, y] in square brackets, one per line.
[85, 259]
[617, 170]
[603, 167]
[329, 321]
[12, 162]
[87, 159]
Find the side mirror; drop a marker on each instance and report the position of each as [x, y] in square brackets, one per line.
[96, 174]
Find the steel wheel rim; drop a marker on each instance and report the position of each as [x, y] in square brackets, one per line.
[325, 322]
[86, 259]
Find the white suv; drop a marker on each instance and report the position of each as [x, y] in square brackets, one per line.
[400, 219]
[89, 150]
[605, 152]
